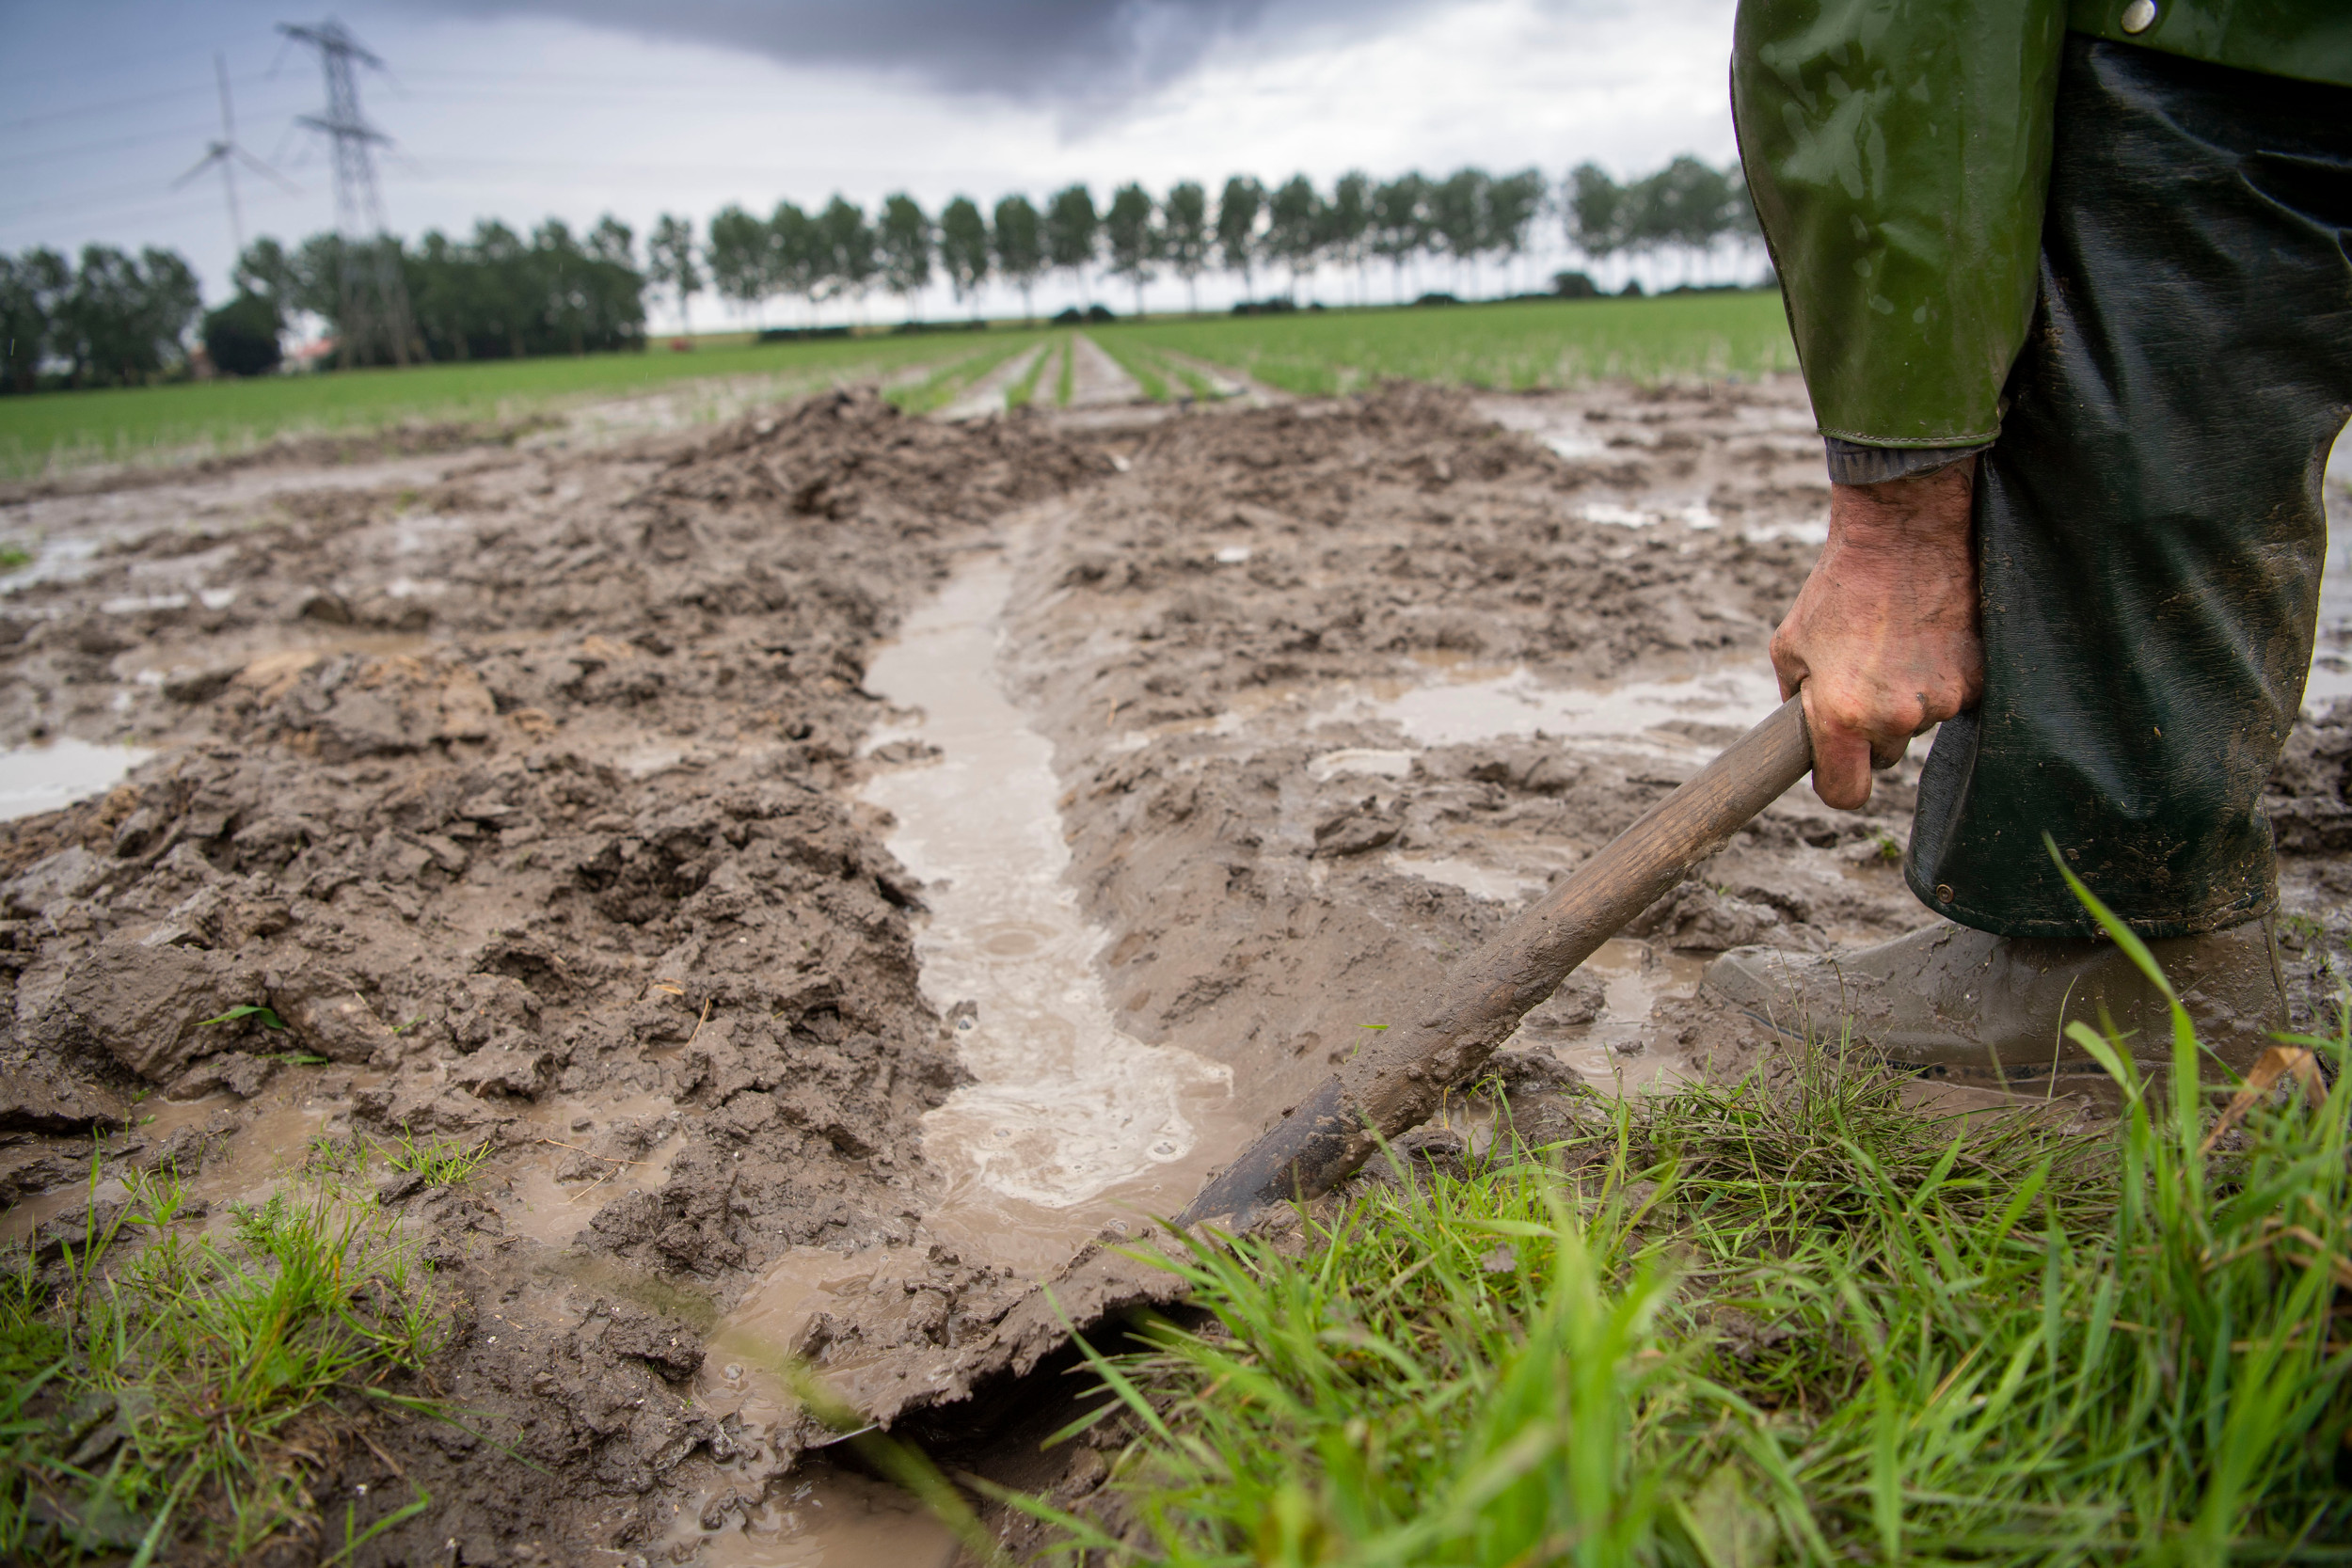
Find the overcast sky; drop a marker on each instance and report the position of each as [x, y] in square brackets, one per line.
[520, 109]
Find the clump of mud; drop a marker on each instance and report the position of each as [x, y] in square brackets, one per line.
[566, 868]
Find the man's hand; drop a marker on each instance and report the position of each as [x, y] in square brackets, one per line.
[1883, 638]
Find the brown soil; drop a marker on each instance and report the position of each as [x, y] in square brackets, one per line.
[520, 785]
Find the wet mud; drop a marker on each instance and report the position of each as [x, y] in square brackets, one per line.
[842, 865]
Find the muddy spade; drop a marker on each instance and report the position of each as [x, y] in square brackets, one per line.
[1399, 1082]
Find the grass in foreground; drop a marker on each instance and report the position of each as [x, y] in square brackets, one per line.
[157, 1386]
[1509, 347]
[1796, 1323]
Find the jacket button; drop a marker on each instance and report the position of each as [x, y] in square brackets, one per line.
[2139, 16]
[1943, 892]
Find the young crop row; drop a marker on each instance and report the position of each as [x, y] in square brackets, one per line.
[1507, 347]
[204, 419]
[1308, 352]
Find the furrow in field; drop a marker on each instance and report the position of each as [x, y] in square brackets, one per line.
[989, 394]
[1097, 380]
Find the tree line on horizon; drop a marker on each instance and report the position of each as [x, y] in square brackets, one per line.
[118, 321]
[112, 319]
[1468, 218]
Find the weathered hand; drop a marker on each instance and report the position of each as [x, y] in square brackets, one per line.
[1883, 638]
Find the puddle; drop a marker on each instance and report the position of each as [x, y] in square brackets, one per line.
[1070, 1125]
[1360, 759]
[61, 560]
[1484, 881]
[267, 1148]
[53, 775]
[1690, 514]
[987, 395]
[1612, 1053]
[569, 1173]
[1560, 427]
[832, 1519]
[1517, 703]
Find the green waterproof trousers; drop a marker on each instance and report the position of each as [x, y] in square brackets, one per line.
[2149, 524]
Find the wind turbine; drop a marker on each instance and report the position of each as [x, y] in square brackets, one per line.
[227, 155]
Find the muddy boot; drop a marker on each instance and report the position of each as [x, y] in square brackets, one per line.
[1964, 1006]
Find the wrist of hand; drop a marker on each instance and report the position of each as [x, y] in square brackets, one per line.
[1927, 512]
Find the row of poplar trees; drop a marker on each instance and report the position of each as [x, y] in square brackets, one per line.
[840, 251]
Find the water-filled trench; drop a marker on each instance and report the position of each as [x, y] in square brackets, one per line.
[1067, 1125]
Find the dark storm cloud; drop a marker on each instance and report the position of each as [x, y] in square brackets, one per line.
[1064, 52]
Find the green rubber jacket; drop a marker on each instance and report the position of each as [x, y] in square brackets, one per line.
[1899, 153]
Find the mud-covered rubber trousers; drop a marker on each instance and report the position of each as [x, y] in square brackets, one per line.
[2149, 525]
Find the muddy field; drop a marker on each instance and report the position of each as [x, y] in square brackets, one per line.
[841, 863]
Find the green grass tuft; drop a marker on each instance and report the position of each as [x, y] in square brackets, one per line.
[260, 1015]
[442, 1162]
[1791, 1318]
[158, 1387]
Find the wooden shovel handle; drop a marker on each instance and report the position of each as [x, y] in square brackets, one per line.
[1399, 1082]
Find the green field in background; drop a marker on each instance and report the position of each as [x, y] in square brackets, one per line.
[1512, 346]
[1517, 345]
[58, 429]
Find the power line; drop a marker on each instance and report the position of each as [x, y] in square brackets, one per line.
[48, 155]
[374, 319]
[114, 106]
[131, 201]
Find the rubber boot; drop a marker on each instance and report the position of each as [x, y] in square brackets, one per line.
[1957, 1004]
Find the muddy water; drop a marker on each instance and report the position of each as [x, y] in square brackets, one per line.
[836, 1520]
[1065, 1107]
[53, 776]
[1685, 720]
[1516, 702]
[1069, 1125]
[555, 1200]
[271, 1143]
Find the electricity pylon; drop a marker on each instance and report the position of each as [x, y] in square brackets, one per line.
[227, 155]
[376, 322]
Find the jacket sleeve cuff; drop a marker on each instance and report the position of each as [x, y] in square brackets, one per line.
[1852, 462]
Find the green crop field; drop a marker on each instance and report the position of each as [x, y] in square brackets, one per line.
[1514, 346]
[1537, 343]
[62, 430]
